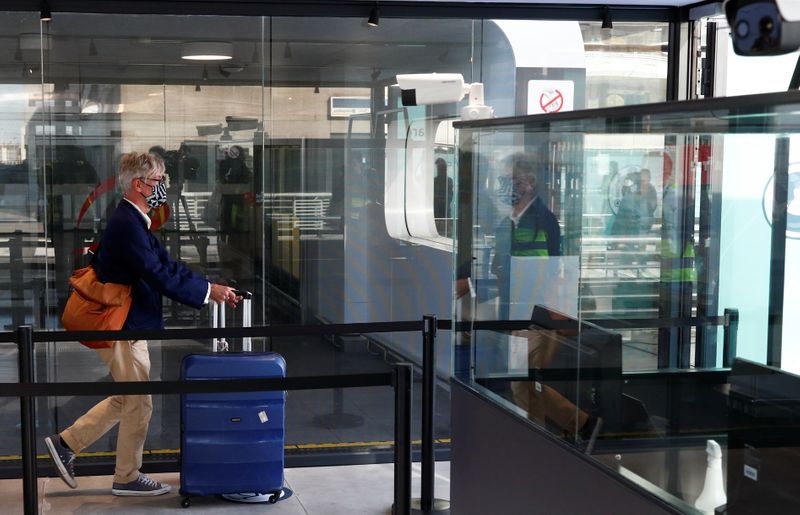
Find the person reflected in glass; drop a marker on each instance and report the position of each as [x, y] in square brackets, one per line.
[71, 181]
[442, 194]
[235, 213]
[530, 229]
[648, 200]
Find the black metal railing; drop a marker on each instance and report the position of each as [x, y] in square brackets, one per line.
[400, 379]
[729, 322]
[27, 389]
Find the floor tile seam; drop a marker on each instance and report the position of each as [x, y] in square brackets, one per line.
[296, 495]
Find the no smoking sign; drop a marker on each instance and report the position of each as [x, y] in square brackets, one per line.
[550, 96]
[551, 101]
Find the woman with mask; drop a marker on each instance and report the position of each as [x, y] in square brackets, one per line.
[130, 254]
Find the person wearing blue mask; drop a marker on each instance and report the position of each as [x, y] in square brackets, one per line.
[130, 254]
[530, 229]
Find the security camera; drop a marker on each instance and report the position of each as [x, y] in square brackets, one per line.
[443, 88]
[764, 27]
[431, 88]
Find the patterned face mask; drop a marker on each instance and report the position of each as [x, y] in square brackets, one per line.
[508, 191]
[158, 196]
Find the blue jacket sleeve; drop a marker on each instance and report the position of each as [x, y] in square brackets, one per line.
[153, 264]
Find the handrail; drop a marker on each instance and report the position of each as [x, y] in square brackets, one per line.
[231, 332]
[729, 321]
[27, 389]
[607, 323]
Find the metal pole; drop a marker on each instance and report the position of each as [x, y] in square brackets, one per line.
[729, 337]
[402, 439]
[28, 421]
[427, 503]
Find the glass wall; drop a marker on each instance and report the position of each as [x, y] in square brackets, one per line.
[644, 257]
[295, 172]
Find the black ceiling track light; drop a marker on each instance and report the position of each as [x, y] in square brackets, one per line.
[374, 16]
[44, 12]
[607, 19]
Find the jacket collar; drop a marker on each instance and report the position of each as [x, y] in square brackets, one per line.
[145, 218]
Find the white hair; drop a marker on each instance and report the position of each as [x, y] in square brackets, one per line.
[137, 165]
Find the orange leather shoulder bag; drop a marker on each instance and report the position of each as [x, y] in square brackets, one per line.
[95, 306]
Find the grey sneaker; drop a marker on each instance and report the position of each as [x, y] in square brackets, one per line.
[63, 458]
[141, 486]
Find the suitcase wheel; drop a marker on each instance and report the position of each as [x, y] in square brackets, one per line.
[186, 502]
[274, 497]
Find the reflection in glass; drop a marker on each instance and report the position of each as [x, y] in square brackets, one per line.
[678, 265]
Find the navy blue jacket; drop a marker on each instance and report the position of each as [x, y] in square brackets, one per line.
[130, 254]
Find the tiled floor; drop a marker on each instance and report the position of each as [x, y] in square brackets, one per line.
[358, 489]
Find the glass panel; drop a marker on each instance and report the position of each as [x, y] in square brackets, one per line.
[626, 64]
[791, 301]
[443, 200]
[281, 162]
[117, 84]
[24, 264]
[674, 216]
[358, 184]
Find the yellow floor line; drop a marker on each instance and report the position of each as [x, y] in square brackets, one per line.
[332, 445]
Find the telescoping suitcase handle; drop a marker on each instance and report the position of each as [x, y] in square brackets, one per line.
[217, 312]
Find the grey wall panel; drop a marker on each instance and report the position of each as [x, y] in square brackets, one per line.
[500, 464]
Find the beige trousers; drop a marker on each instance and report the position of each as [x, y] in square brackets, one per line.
[128, 360]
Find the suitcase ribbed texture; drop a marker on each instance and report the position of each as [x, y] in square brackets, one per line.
[232, 442]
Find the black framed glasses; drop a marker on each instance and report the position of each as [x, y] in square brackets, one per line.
[154, 182]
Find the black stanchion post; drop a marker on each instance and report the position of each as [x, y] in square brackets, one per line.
[402, 439]
[427, 503]
[28, 421]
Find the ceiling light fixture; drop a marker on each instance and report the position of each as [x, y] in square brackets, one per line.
[44, 12]
[607, 19]
[374, 16]
[92, 48]
[207, 51]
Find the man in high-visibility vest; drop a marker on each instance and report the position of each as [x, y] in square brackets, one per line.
[531, 229]
[677, 245]
[678, 272]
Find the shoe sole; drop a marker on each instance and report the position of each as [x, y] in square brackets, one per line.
[137, 493]
[62, 470]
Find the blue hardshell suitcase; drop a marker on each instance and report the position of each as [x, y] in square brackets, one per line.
[232, 443]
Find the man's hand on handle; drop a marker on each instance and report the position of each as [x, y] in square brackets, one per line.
[226, 294]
